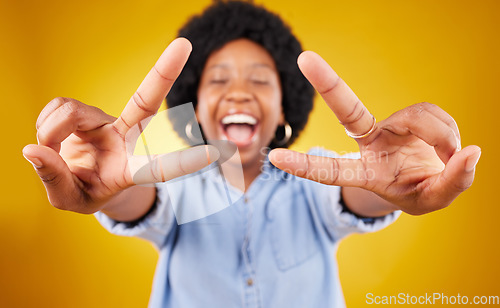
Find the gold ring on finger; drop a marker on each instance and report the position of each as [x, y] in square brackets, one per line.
[360, 136]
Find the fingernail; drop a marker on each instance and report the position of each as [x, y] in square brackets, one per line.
[34, 161]
[472, 161]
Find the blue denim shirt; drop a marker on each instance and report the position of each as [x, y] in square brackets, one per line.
[275, 247]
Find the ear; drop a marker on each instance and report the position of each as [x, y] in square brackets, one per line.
[197, 112]
[282, 119]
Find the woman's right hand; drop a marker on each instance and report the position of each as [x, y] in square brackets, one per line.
[81, 156]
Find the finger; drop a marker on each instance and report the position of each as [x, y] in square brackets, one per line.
[340, 98]
[66, 116]
[457, 176]
[62, 190]
[424, 125]
[443, 116]
[165, 167]
[154, 88]
[331, 171]
[49, 108]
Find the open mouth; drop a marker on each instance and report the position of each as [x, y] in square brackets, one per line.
[239, 128]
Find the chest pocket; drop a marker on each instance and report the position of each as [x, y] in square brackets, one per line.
[292, 227]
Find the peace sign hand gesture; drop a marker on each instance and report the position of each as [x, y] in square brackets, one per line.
[413, 159]
[81, 155]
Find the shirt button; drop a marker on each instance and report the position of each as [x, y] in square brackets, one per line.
[249, 282]
[246, 199]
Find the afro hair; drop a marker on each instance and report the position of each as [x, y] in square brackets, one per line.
[225, 21]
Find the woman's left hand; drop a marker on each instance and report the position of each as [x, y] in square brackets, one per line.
[413, 159]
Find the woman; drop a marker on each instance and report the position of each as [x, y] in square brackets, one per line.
[275, 246]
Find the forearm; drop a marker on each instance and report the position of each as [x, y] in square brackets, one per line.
[365, 203]
[130, 204]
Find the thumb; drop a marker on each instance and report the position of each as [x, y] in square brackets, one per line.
[165, 167]
[55, 175]
[326, 170]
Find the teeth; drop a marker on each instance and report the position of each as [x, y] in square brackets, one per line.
[239, 118]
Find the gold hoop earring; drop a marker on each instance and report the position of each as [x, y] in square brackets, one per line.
[288, 135]
[188, 130]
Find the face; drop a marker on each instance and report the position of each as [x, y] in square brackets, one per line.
[239, 98]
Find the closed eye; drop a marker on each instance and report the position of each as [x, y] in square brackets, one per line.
[218, 81]
[260, 81]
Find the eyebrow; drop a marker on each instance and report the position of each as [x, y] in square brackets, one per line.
[223, 65]
[262, 65]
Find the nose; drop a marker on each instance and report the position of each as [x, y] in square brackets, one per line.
[238, 93]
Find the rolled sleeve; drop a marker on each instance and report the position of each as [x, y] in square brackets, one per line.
[341, 223]
[337, 219]
[154, 227]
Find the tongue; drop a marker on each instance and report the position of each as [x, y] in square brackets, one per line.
[239, 132]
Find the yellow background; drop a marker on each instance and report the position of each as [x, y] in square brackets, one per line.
[392, 53]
